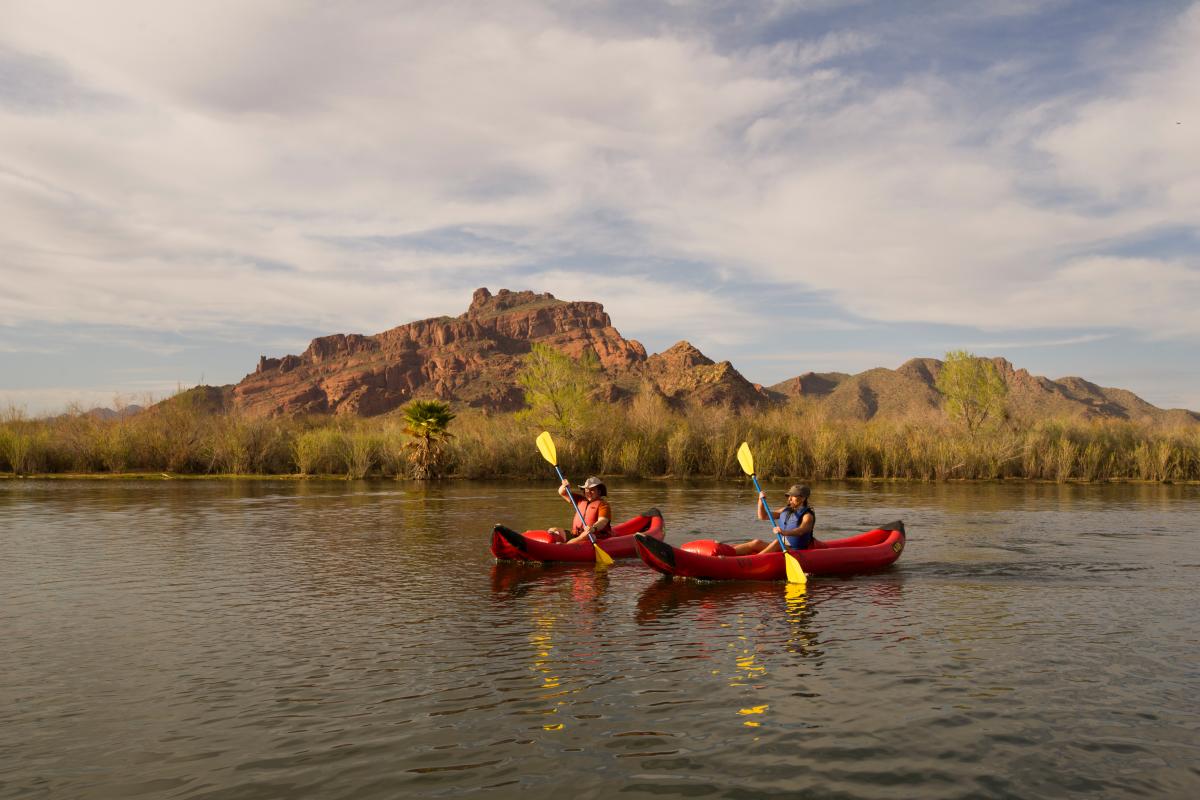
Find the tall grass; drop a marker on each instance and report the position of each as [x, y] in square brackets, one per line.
[644, 438]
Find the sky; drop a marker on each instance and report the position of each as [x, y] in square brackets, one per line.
[793, 186]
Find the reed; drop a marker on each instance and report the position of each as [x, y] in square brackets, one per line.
[645, 438]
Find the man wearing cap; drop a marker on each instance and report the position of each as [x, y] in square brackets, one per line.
[596, 513]
[796, 522]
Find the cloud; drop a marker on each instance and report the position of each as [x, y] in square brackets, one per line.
[356, 168]
[1014, 344]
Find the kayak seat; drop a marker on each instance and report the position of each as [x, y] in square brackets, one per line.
[544, 536]
[708, 547]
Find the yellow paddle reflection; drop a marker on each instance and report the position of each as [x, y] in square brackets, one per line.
[545, 665]
[751, 660]
[753, 710]
[542, 639]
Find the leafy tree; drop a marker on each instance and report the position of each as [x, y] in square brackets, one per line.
[427, 422]
[973, 390]
[558, 388]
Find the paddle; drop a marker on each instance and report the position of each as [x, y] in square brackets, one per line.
[546, 446]
[795, 572]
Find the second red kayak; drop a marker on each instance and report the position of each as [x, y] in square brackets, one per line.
[866, 552]
[542, 545]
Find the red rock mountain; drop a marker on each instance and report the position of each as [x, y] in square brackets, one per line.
[474, 359]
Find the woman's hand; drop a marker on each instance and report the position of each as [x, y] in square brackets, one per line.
[778, 530]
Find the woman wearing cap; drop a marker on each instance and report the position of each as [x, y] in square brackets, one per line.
[596, 513]
[796, 522]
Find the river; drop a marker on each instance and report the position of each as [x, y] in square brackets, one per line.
[268, 639]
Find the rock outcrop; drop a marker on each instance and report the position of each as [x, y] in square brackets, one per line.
[472, 359]
[685, 375]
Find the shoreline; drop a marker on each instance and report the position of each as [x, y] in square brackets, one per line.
[330, 477]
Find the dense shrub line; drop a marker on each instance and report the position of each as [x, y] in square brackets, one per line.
[645, 439]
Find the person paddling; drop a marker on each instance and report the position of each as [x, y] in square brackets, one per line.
[595, 510]
[796, 523]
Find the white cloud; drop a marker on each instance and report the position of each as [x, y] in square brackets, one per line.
[1017, 345]
[239, 143]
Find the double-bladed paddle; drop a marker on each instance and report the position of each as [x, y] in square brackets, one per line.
[545, 444]
[795, 572]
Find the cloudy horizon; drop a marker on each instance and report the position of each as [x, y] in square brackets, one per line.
[792, 186]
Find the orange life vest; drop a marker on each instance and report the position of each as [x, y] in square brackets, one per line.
[591, 513]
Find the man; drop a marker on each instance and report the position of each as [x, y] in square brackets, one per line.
[596, 513]
[796, 523]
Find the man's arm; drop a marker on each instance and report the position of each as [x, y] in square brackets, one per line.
[603, 520]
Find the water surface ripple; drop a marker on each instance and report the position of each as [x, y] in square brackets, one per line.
[355, 640]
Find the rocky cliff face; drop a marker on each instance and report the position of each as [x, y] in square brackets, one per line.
[473, 359]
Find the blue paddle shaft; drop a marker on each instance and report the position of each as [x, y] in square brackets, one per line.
[767, 508]
[575, 506]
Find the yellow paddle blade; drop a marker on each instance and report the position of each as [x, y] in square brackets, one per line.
[746, 459]
[795, 572]
[603, 559]
[546, 445]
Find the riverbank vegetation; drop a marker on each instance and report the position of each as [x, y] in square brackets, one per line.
[647, 438]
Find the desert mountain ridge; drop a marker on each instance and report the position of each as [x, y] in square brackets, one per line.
[474, 359]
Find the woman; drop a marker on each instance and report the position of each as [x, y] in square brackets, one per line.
[596, 513]
[796, 523]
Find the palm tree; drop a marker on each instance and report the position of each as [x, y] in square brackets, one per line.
[427, 421]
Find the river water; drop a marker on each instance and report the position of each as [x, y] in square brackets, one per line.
[269, 639]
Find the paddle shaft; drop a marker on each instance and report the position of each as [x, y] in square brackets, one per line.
[767, 508]
[575, 506]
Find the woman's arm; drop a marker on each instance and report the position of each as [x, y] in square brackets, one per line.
[806, 525]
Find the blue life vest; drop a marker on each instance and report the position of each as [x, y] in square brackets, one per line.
[789, 519]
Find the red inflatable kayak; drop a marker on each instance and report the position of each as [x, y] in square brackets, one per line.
[542, 545]
[865, 552]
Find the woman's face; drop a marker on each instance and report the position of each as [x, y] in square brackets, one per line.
[794, 501]
[592, 493]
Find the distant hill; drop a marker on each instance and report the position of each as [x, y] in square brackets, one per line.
[908, 393]
[109, 413]
[473, 360]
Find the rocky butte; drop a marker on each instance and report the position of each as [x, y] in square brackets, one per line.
[474, 359]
